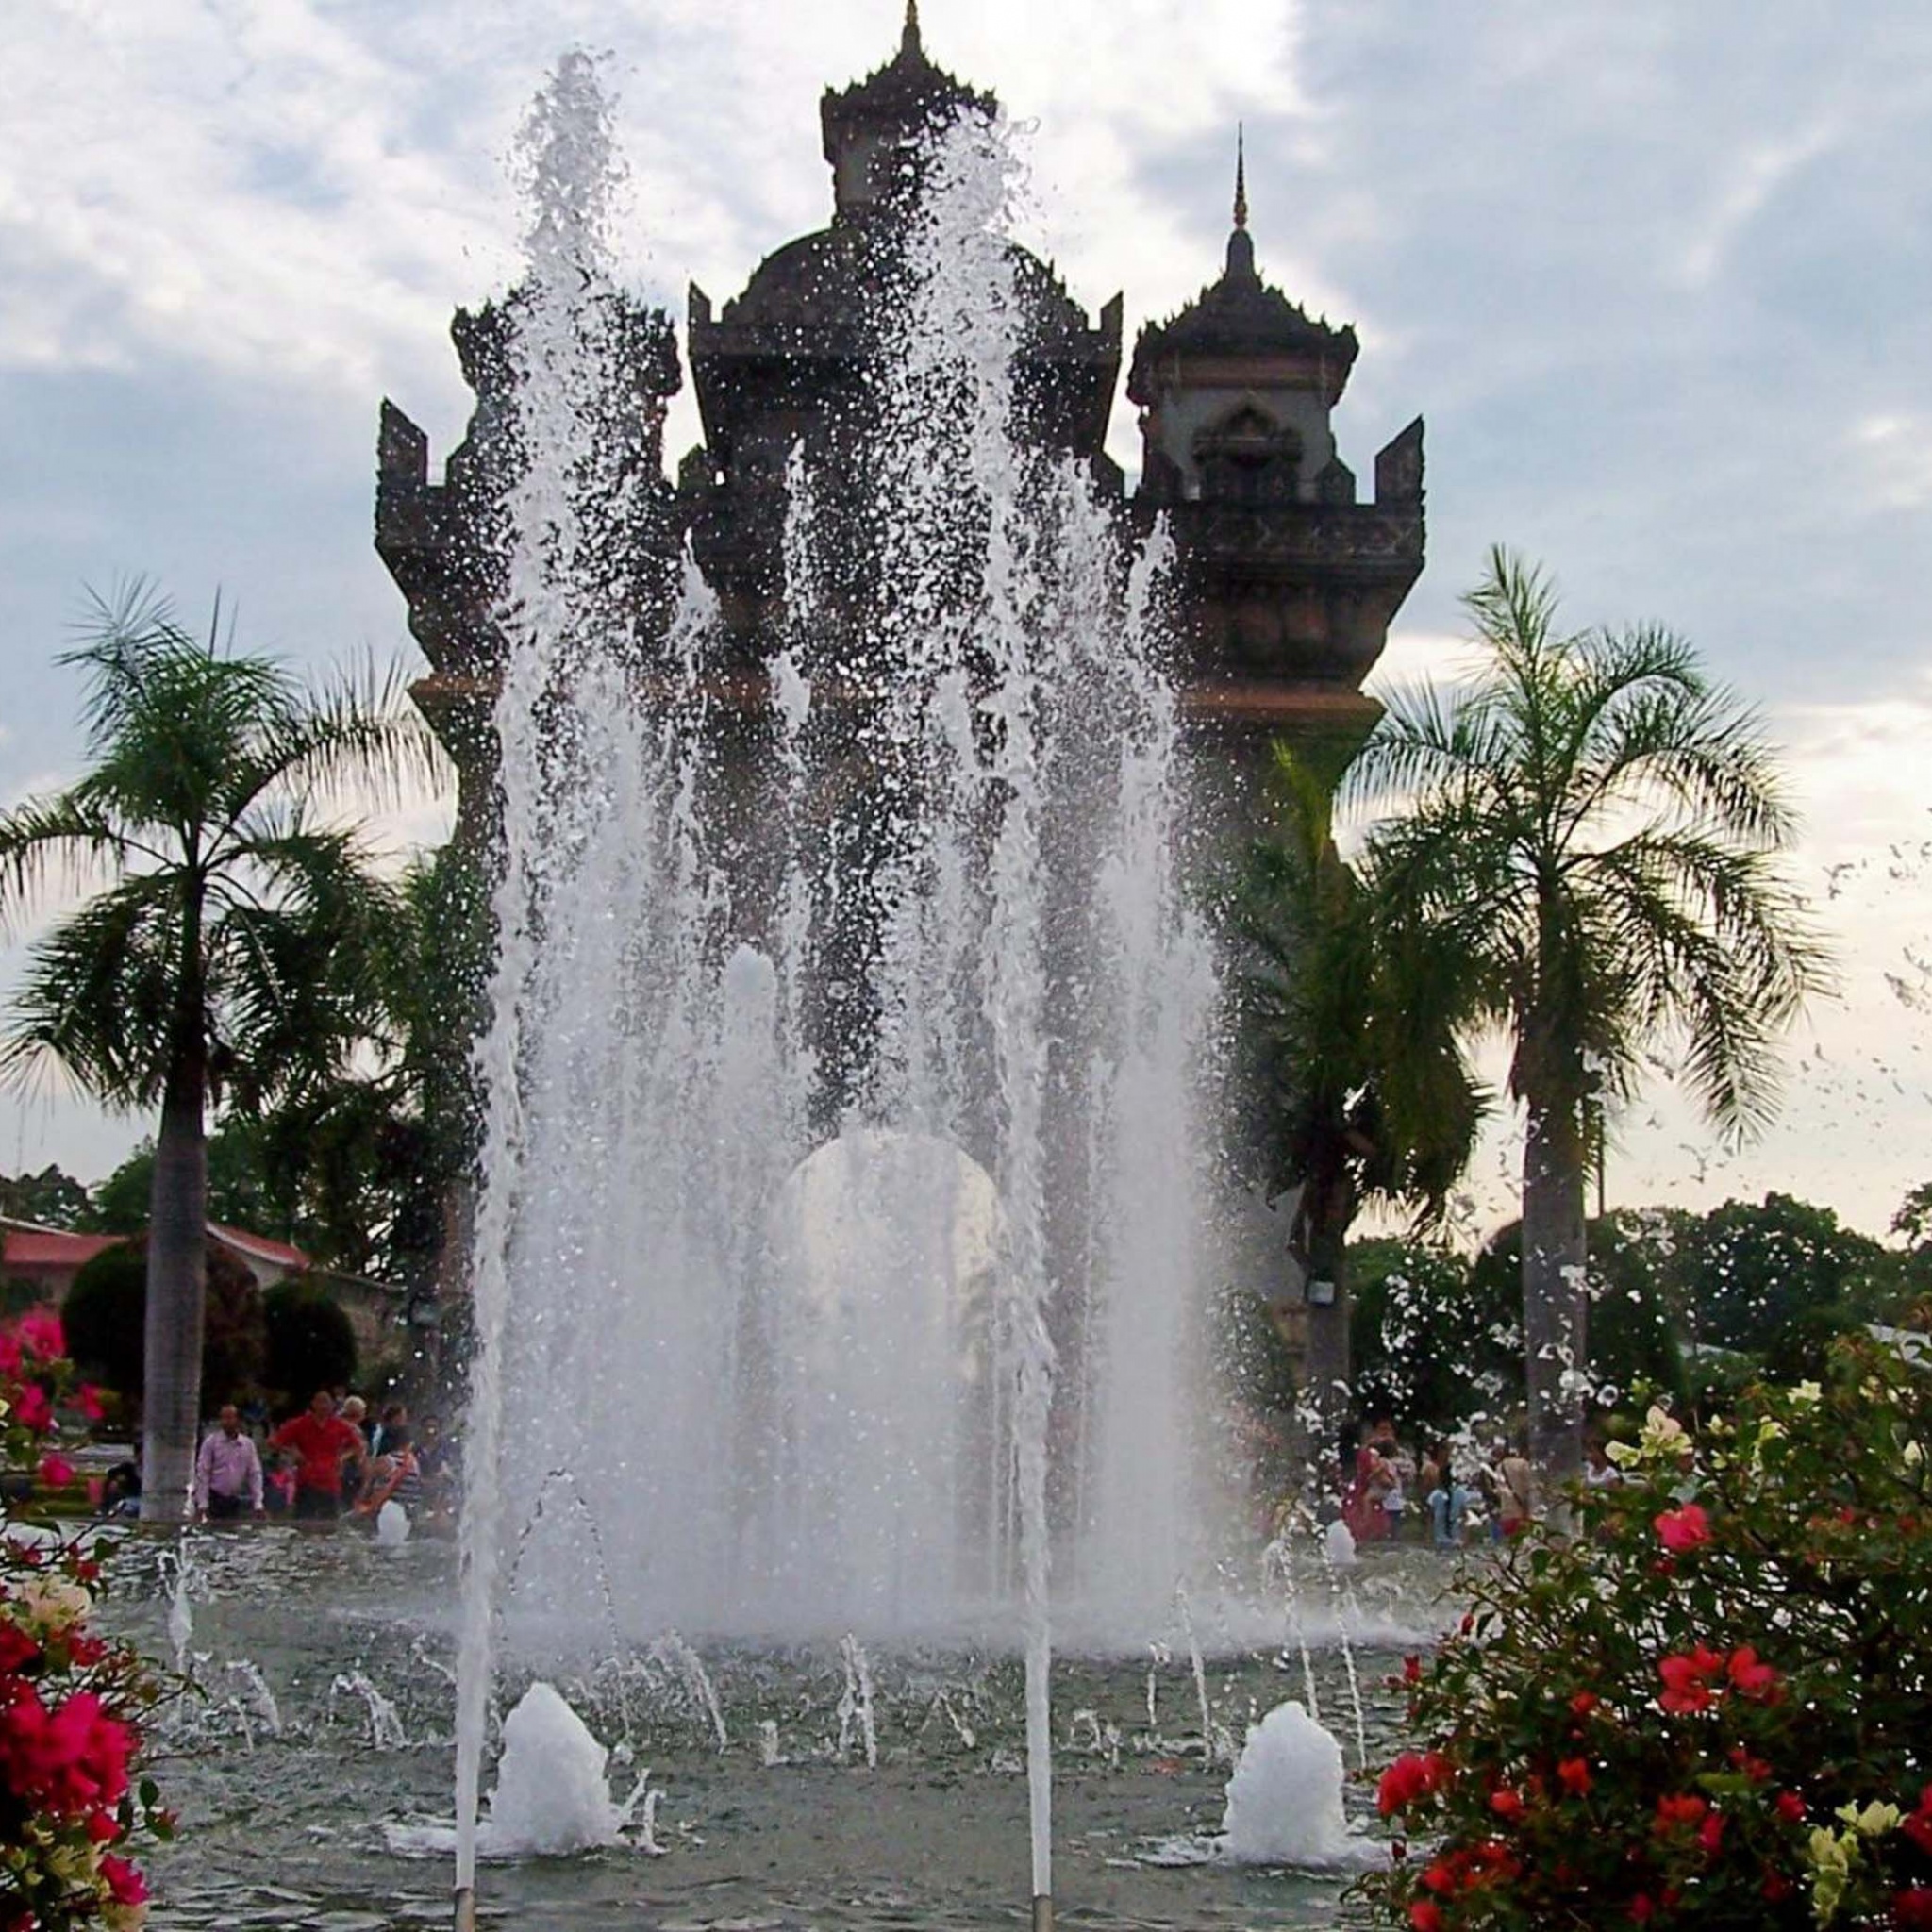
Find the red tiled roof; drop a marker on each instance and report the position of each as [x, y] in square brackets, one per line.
[47, 1247]
[259, 1245]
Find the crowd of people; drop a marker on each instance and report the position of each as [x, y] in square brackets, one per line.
[1450, 1494]
[330, 1460]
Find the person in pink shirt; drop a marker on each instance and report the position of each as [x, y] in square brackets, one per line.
[227, 1473]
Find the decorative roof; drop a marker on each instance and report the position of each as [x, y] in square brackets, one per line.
[1241, 315]
[907, 96]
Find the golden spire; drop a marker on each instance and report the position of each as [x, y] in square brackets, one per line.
[1240, 177]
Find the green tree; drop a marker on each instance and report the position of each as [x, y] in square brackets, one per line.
[1596, 828]
[227, 951]
[1755, 1268]
[311, 1343]
[50, 1198]
[1437, 1345]
[238, 1194]
[1358, 1089]
[1637, 1262]
[105, 1312]
[361, 1160]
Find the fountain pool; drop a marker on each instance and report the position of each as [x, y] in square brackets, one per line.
[297, 1825]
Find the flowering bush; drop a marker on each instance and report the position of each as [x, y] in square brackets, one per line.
[1710, 1704]
[69, 1806]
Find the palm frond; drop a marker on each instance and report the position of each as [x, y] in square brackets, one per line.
[59, 844]
[97, 995]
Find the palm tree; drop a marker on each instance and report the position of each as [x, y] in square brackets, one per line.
[1596, 828]
[229, 947]
[1363, 1089]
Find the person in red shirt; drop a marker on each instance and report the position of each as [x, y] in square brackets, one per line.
[321, 1442]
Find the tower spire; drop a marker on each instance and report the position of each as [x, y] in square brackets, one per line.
[908, 37]
[1240, 173]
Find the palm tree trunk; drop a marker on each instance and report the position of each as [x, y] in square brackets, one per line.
[177, 1262]
[1555, 1298]
[1327, 1385]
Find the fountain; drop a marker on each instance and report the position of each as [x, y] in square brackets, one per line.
[781, 1253]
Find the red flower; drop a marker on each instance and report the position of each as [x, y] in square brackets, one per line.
[32, 1410]
[87, 1398]
[1506, 1801]
[56, 1472]
[1754, 1768]
[1918, 1826]
[1584, 1703]
[103, 1827]
[1411, 1776]
[1776, 1886]
[16, 1648]
[1642, 1909]
[1425, 1915]
[38, 1334]
[1754, 1679]
[1682, 1807]
[1791, 1808]
[1911, 1912]
[1710, 1834]
[1686, 1681]
[1573, 1775]
[1683, 1530]
[69, 1761]
[125, 1882]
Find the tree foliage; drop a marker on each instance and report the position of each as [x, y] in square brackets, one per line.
[1710, 1708]
[106, 1311]
[1594, 829]
[1757, 1267]
[50, 1198]
[310, 1343]
[226, 952]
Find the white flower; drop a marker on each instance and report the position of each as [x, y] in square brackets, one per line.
[54, 1603]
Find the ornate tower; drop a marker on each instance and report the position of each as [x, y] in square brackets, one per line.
[445, 545]
[1287, 583]
[784, 364]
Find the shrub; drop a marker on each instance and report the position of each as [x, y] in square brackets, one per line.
[104, 1315]
[71, 1700]
[311, 1344]
[1709, 1705]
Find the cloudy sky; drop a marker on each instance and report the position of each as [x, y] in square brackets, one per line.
[1655, 275]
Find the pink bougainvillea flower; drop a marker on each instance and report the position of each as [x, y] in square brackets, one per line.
[1425, 1915]
[1683, 1530]
[124, 1883]
[1573, 1774]
[87, 1398]
[1507, 1802]
[39, 1331]
[1584, 1703]
[32, 1410]
[1791, 1808]
[1710, 1834]
[56, 1472]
